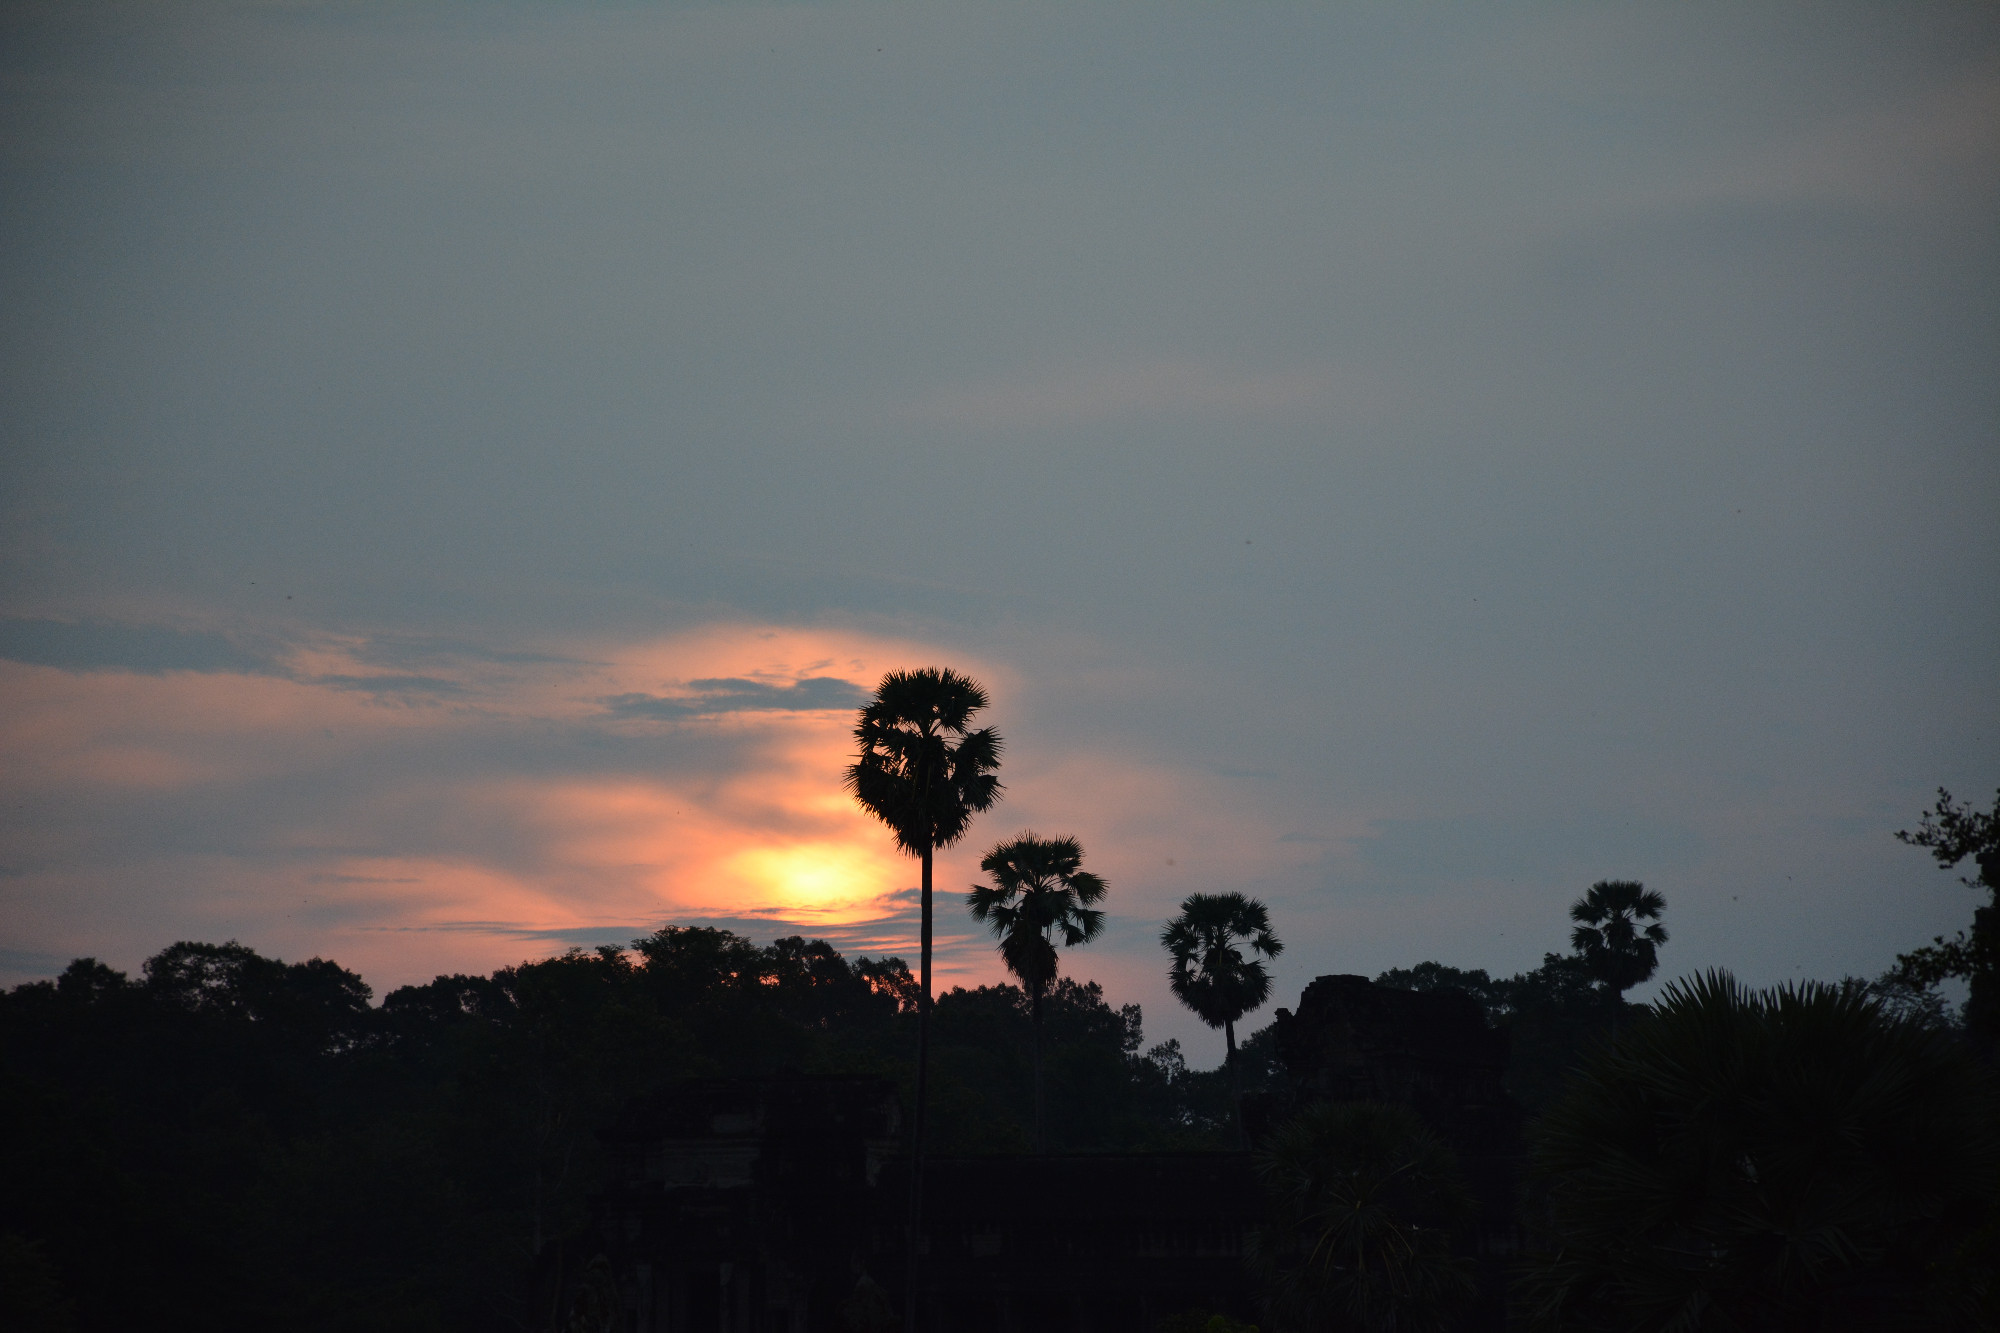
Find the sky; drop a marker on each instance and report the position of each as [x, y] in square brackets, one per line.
[461, 466]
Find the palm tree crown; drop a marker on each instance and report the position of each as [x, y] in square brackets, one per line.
[1618, 952]
[1040, 892]
[922, 770]
[925, 773]
[1210, 975]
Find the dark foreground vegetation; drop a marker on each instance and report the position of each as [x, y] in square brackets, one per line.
[226, 1141]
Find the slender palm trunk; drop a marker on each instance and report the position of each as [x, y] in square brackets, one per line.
[1235, 1083]
[1041, 1128]
[913, 1256]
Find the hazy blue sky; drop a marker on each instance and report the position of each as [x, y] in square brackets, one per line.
[462, 461]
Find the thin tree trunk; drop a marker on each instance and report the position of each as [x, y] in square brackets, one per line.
[1041, 1127]
[1235, 1083]
[913, 1257]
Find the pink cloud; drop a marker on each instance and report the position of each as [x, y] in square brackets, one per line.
[519, 812]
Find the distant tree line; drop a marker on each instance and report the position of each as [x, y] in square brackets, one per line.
[227, 1141]
[246, 1143]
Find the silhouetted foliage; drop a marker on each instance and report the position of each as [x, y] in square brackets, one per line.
[1617, 950]
[1203, 1321]
[1793, 1158]
[924, 771]
[1553, 1016]
[1953, 833]
[31, 1296]
[248, 1144]
[1209, 973]
[1363, 1199]
[1039, 891]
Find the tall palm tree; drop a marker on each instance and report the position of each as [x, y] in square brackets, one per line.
[1211, 976]
[1618, 952]
[1040, 891]
[924, 772]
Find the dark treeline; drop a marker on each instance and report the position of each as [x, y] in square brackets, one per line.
[246, 1142]
[229, 1141]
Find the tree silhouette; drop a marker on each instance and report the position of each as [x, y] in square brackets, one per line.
[1211, 976]
[1951, 833]
[1361, 1198]
[1790, 1159]
[1040, 890]
[924, 772]
[1616, 950]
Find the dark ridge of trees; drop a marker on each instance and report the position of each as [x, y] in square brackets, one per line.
[1796, 1158]
[247, 1143]
[1553, 1015]
[228, 1141]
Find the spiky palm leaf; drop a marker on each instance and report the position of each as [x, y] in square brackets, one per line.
[1793, 1158]
[1361, 1200]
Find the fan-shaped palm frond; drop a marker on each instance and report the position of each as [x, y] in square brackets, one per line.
[925, 773]
[1039, 890]
[1362, 1198]
[1618, 951]
[1039, 893]
[1790, 1158]
[922, 770]
[1209, 973]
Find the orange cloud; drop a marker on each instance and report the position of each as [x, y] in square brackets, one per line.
[467, 812]
[411, 809]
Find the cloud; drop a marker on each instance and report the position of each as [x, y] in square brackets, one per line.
[97, 645]
[311, 811]
[711, 697]
[394, 686]
[409, 651]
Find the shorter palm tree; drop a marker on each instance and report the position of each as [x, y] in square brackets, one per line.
[1211, 976]
[1040, 893]
[1616, 950]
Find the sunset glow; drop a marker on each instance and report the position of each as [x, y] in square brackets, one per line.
[822, 881]
[710, 789]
